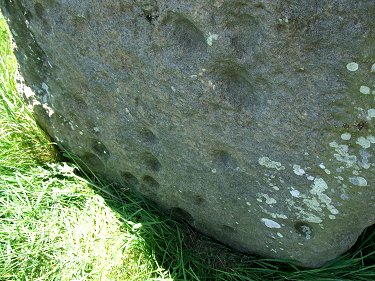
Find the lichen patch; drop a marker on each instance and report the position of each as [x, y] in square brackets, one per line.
[295, 193]
[365, 90]
[358, 181]
[298, 170]
[211, 37]
[363, 142]
[371, 113]
[342, 154]
[318, 188]
[346, 136]
[352, 66]
[267, 162]
[270, 223]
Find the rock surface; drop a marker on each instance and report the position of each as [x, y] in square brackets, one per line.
[252, 120]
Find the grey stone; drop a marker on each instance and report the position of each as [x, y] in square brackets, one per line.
[252, 120]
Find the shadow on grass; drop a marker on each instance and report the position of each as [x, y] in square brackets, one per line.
[190, 255]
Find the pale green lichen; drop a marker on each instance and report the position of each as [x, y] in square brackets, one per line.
[295, 192]
[218, 3]
[45, 87]
[266, 162]
[298, 170]
[279, 216]
[352, 66]
[342, 154]
[313, 203]
[358, 181]
[271, 201]
[346, 136]
[328, 172]
[318, 187]
[304, 214]
[365, 90]
[48, 109]
[308, 216]
[270, 223]
[267, 198]
[365, 158]
[273, 214]
[211, 38]
[371, 113]
[363, 142]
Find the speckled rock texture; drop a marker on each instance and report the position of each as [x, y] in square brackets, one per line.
[252, 120]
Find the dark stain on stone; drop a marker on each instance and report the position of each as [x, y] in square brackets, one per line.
[151, 162]
[100, 149]
[233, 86]
[41, 14]
[150, 183]
[129, 179]
[92, 160]
[361, 125]
[150, 17]
[182, 214]
[246, 34]
[198, 199]
[185, 33]
[148, 137]
[222, 159]
[39, 10]
[28, 15]
[137, 101]
[79, 22]
[228, 229]
[304, 229]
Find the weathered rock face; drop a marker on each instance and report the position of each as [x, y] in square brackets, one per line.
[253, 120]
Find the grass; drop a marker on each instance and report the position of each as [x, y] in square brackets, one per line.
[57, 223]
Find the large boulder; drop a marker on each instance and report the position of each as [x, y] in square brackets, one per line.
[252, 120]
